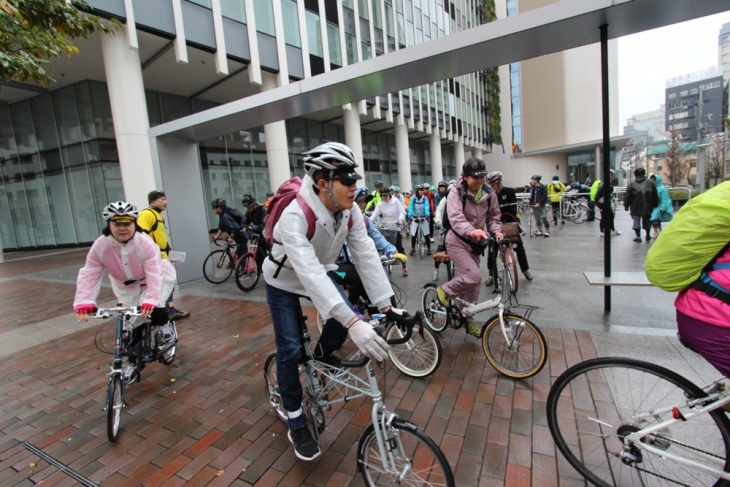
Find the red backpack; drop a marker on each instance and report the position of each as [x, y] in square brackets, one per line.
[287, 192]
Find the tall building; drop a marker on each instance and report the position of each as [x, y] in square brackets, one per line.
[67, 151]
[723, 52]
[694, 104]
[643, 129]
[551, 111]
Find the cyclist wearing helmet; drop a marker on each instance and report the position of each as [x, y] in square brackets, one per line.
[407, 198]
[440, 193]
[471, 207]
[298, 266]
[379, 188]
[269, 195]
[420, 207]
[508, 206]
[138, 274]
[230, 222]
[390, 214]
[538, 200]
[253, 222]
[397, 195]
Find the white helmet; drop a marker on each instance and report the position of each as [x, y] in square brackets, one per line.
[331, 156]
[119, 208]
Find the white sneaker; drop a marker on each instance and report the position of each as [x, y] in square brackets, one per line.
[435, 275]
[546, 234]
[167, 332]
[130, 374]
[615, 233]
[538, 233]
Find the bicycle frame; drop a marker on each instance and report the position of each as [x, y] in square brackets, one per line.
[636, 438]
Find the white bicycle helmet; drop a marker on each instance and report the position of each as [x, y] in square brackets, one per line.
[119, 208]
[494, 177]
[330, 156]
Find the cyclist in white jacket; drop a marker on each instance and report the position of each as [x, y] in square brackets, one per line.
[298, 267]
[390, 216]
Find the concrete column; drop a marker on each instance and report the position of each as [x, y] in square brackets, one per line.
[403, 156]
[129, 113]
[459, 154]
[277, 147]
[353, 135]
[437, 171]
[477, 152]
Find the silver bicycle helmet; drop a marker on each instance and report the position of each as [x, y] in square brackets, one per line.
[119, 208]
[494, 177]
[330, 156]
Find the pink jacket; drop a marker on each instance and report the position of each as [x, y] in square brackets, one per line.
[476, 214]
[137, 260]
[705, 308]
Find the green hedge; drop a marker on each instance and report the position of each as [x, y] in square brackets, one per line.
[681, 194]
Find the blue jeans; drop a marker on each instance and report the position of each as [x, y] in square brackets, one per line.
[286, 314]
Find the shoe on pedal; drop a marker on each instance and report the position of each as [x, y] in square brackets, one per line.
[473, 329]
[305, 447]
[131, 374]
[167, 332]
[443, 297]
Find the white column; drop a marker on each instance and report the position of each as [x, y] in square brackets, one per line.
[277, 148]
[353, 135]
[129, 113]
[403, 156]
[459, 154]
[437, 171]
[477, 152]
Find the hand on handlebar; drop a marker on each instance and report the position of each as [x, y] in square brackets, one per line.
[368, 341]
[83, 312]
[146, 310]
[478, 234]
[400, 257]
[499, 235]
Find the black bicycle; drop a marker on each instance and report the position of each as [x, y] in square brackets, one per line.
[219, 264]
[137, 345]
[248, 272]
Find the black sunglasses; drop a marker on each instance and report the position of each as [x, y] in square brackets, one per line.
[346, 181]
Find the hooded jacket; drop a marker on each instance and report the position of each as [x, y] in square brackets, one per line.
[641, 197]
[391, 214]
[137, 261]
[304, 272]
[665, 202]
[469, 215]
[555, 189]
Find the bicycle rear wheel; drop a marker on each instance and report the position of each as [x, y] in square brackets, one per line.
[524, 351]
[217, 267]
[247, 273]
[413, 452]
[435, 315]
[114, 405]
[510, 281]
[594, 405]
[272, 387]
[418, 357]
[421, 243]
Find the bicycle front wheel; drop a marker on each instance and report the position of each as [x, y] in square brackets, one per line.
[247, 274]
[412, 458]
[418, 357]
[520, 351]
[435, 315]
[114, 405]
[217, 267]
[595, 405]
[509, 270]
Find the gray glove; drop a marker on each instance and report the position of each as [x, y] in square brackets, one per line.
[368, 341]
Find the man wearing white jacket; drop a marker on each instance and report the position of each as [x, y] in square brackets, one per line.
[298, 266]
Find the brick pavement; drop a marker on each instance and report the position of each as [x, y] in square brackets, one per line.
[205, 420]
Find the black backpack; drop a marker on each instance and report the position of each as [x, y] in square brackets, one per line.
[236, 214]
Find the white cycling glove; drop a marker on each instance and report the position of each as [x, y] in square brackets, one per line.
[368, 341]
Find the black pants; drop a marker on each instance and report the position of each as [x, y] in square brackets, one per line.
[607, 218]
[556, 211]
[519, 249]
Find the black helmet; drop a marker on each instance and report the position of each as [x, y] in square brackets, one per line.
[536, 177]
[474, 167]
[247, 200]
[385, 192]
[443, 183]
[378, 184]
[218, 203]
[333, 157]
[269, 194]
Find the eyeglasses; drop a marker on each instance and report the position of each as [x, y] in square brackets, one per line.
[346, 181]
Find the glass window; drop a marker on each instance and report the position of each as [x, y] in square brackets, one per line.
[377, 14]
[349, 16]
[333, 39]
[202, 3]
[313, 34]
[235, 9]
[23, 126]
[45, 124]
[291, 23]
[389, 20]
[86, 111]
[348, 3]
[362, 9]
[8, 148]
[379, 48]
[264, 13]
[367, 52]
[103, 122]
[67, 119]
[411, 34]
[82, 204]
[401, 30]
[351, 46]
[365, 31]
[174, 107]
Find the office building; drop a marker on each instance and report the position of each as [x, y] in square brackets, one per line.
[694, 104]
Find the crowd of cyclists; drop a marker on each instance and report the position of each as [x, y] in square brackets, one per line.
[333, 234]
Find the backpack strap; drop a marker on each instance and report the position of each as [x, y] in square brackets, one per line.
[708, 285]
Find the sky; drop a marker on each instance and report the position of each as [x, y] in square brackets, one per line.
[646, 60]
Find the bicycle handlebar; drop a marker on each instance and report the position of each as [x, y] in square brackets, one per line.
[378, 323]
[104, 313]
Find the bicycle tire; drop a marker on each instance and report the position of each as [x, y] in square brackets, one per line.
[272, 387]
[412, 447]
[114, 405]
[418, 357]
[420, 244]
[604, 389]
[217, 267]
[247, 274]
[509, 270]
[167, 357]
[435, 315]
[527, 354]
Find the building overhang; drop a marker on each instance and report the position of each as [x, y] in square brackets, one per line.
[617, 143]
[557, 27]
